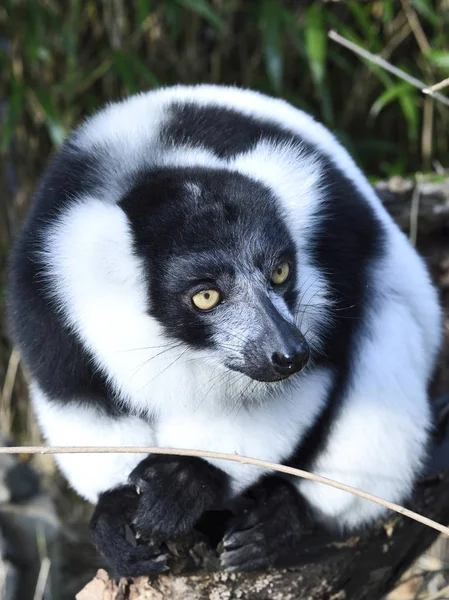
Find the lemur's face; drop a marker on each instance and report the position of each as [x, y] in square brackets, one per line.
[219, 277]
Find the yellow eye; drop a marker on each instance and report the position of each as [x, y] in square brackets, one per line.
[280, 274]
[206, 299]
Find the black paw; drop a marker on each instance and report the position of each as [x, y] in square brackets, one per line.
[245, 548]
[110, 533]
[268, 534]
[173, 494]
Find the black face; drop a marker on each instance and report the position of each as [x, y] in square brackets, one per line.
[221, 268]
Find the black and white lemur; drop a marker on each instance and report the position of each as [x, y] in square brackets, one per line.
[205, 267]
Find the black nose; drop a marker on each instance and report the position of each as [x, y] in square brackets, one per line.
[291, 362]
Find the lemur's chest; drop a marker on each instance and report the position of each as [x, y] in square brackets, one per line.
[268, 431]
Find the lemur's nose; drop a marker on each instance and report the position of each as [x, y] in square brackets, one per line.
[293, 361]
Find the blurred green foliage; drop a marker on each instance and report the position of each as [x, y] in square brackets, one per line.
[60, 60]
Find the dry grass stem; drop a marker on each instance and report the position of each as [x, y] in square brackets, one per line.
[42, 579]
[245, 460]
[437, 86]
[414, 213]
[336, 37]
[8, 387]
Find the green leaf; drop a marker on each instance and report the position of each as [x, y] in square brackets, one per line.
[142, 69]
[271, 21]
[143, 9]
[205, 10]
[55, 127]
[123, 64]
[360, 14]
[424, 8]
[174, 16]
[316, 42]
[383, 76]
[440, 58]
[410, 111]
[388, 96]
[387, 11]
[13, 113]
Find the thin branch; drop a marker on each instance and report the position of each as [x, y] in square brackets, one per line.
[336, 37]
[8, 388]
[415, 26]
[437, 86]
[414, 213]
[427, 132]
[245, 460]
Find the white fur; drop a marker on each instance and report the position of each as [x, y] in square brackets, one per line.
[267, 431]
[91, 474]
[377, 442]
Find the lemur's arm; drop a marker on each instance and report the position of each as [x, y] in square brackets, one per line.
[159, 497]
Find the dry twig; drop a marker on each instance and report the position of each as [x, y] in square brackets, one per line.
[437, 86]
[230, 457]
[378, 60]
[8, 387]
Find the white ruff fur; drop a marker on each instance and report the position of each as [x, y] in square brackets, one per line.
[376, 443]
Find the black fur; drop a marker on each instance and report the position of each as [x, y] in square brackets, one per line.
[266, 532]
[216, 233]
[165, 499]
[51, 351]
[108, 530]
[174, 491]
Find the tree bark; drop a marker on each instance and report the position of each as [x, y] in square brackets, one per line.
[359, 567]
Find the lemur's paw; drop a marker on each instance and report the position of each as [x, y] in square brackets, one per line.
[244, 549]
[268, 534]
[108, 531]
[173, 494]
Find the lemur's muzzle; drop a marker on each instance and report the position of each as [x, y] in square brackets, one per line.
[279, 352]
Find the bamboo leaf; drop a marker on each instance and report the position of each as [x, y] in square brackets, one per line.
[439, 58]
[316, 41]
[388, 96]
[13, 112]
[205, 10]
[271, 21]
[55, 127]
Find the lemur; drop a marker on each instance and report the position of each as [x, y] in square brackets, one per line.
[205, 267]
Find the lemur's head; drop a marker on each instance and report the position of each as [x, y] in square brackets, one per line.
[221, 268]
